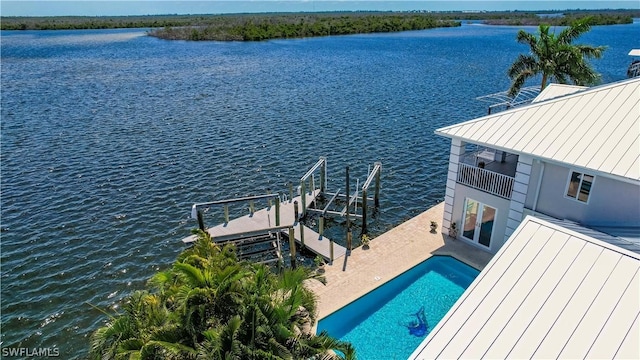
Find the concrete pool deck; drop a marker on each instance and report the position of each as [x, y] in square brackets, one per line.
[389, 255]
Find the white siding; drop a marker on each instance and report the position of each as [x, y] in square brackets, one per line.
[611, 202]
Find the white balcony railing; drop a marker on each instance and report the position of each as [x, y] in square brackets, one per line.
[485, 180]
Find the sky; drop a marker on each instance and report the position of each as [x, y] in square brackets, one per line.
[164, 7]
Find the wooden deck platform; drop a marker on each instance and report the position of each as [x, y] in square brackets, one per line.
[266, 218]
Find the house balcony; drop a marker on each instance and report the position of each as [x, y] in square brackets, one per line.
[489, 171]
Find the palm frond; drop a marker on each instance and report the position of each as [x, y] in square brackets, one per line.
[105, 341]
[167, 350]
[575, 30]
[190, 274]
[524, 37]
[130, 345]
[229, 337]
[591, 52]
[279, 349]
[524, 63]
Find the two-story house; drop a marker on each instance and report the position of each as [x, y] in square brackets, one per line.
[573, 155]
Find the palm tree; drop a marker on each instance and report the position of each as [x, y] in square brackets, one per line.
[210, 305]
[555, 57]
[145, 330]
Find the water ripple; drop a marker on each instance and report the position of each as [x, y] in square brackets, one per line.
[108, 137]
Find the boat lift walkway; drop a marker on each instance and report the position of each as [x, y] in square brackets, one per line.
[266, 218]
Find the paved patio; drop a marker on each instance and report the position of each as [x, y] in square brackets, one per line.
[389, 255]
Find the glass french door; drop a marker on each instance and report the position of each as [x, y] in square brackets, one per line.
[478, 222]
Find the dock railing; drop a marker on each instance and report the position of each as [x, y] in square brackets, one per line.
[196, 212]
[492, 182]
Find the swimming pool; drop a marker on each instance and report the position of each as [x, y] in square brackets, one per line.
[378, 323]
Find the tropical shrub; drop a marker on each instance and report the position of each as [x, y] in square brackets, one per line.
[210, 305]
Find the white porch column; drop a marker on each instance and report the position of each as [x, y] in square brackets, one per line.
[457, 149]
[519, 194]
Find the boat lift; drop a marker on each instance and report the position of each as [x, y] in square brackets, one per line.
[503, 100]
[255, 234]
[352, 199]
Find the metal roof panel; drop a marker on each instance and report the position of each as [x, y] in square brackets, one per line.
[623, 136]
[631, 343]
[547, 314]
[619, 323]
[513, 328]
[596, 135]
[579, 126]
[600, 309]
[556, 90]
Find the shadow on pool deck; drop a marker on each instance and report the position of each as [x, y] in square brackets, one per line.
[389, 255]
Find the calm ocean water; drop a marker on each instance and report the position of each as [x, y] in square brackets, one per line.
[108, 137]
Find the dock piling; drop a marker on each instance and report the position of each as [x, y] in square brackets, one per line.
[296, 214]
[323, 175]
[331, 252]
[347, 212]
[312, 184]
[303, 198]
[226, 214]
[278, 211]
[292, 248]
[364, 211]
[301, 234]
[376, 198]
[279, 251]
[201, 221]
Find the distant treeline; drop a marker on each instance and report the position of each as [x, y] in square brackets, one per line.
[261, 27]
[611, 17]
[253, 27]
[99, 22]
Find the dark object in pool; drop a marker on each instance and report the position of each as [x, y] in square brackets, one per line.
[418, 327]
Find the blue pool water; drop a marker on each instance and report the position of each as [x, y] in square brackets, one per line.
[376, 323]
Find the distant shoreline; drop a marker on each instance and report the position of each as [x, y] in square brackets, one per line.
[264, 26]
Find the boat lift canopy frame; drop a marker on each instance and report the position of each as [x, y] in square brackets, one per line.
[322, 165]
[524, 96]
[351, 199]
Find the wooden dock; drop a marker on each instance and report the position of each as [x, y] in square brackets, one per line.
[266, 218]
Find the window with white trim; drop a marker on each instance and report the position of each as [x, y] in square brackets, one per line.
[579, 186]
